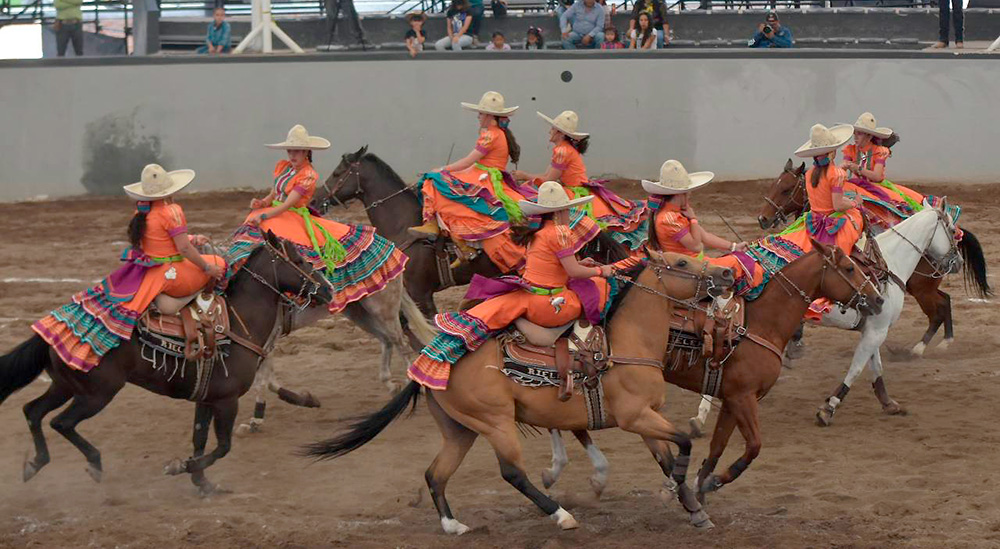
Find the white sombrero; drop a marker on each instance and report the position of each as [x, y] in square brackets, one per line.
[567, 123]
[823, 140]
[299, 139]
[674, 179]
[551, 198]
[491, 103]
[156, 183]
[866, 124]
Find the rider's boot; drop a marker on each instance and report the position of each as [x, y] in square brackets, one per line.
[466, 253]
[429, 229]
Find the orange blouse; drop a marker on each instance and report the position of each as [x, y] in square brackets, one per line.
[821, 196]
[493, 144]
[163, 222]
[542, 263]
[877, 154]
[671, 226]
[286, 180]
[569, 161]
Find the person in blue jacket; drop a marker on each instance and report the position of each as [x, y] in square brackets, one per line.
[771, 34]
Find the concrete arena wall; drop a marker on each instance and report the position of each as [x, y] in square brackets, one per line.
[90, 126]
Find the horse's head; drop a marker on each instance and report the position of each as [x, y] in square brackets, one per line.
[685, 277]
[786, 197]
[279, 267]
[843, 281]
[942, 251]
[343, 185]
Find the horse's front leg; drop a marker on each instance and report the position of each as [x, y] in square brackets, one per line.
[265, 373]
[871, 339]
[745, 415]
[224, 418]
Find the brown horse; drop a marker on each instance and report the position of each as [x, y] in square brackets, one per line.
[254, 295]
[480, 400]
[786, 200]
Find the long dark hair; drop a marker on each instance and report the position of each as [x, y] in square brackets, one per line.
[642, 35]
[818, 171]
[522, 235]
[657, 202]
[512, 147]
[137, 227]
[581, 145]
[537, 33]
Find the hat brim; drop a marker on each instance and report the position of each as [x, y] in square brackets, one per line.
[179, 179]
[881, 133]
[477, 108]
[698, 179]
[574, 135]
[314, 144]
[534, 208]
[842, 133]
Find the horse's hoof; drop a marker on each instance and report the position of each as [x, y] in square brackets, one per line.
[31, 468]
[701, 521]
[175, 466]
[598, 485]
[309, 401]
[548, 478]
[95, 472]
[710, 484]
[893, 409]
[697, 427]
[452, 526]
[565, 520]
[918, 349]
[207, 489]
[824, 416]
[393, 386]
[945, 343]
[245, 429]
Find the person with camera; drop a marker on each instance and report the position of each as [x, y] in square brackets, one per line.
[771, 34]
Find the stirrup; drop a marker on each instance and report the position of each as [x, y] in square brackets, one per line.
[466, 253]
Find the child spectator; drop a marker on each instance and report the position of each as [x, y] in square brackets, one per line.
[657, 10]
[416, 36]
[643, 36]
[498, 43]
[459, 20]
[219, 37]
[534, 40]
[611, 39]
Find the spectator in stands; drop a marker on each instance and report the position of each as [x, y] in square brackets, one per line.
[611, 39]
[459, 21]
[68, 26]
[477, 10]
[643, 35]
[416, 36]
[498, 42]
[582, 25]
[562, 6]
[955, 16]
[534, 40]
[499, 8]
[609, 10]
[657, 11]
[771, 34]
[219, 36]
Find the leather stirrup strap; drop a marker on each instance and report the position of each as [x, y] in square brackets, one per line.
[564, 365]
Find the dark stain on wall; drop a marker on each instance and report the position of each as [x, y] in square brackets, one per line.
[116, 147]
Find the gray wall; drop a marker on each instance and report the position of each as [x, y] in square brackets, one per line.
[91, 125]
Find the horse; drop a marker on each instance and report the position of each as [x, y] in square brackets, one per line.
[786, 200]
[393, 206]
[753, 367]
[254, 295]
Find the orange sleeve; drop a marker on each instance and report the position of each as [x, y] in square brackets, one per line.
[880, 154]
[560, 158]
[486, 141]
[850, 153]
[305, 183]
[837, 178]
[174, 220]
[673, 225]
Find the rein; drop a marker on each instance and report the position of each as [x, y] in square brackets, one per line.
[355, 169]
[780, 215]
[946, 264]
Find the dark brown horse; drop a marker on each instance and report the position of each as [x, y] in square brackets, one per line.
[786, 200]
[254, 295]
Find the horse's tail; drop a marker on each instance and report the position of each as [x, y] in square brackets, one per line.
[416, 322]
[21, 366]
[975, 265]
[365, 428]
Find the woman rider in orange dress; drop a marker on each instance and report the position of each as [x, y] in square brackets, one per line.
[625, 220]
[554, 290]
[161, 260]
[356, 261]
[475, 198]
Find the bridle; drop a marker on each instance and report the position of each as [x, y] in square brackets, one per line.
[858, 300]
[354, 168]
[661, 269]
[311, 280]
[947, 263]
[798, 198]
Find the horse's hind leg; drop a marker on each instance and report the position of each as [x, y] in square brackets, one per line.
[373, 316]
[599, 480]
[936, 305]
[35, 411]
[458, 439]
[889, 406]
[559, 459]
[949, 328]
[83, 407]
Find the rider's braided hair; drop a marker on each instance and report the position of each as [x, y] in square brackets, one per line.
[137, 226]
[512, 147]
[522, 235]
[581, 145]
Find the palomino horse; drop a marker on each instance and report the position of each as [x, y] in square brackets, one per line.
[786, 200]
[480, 400]
[254, 295]
[753, 368]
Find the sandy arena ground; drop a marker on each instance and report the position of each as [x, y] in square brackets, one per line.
[923, 480]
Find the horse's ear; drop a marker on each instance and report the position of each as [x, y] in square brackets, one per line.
[818, 246]
[362, 151]
[270, 238]
[788, 165]
[802, 169]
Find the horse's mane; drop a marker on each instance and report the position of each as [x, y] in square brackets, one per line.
[385, 170]
[623, 289]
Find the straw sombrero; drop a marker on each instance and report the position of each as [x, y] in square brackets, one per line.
[156, 183]
[567, 123]
[823, 140]
[298, 138]
[674, 179]
[491, 103]
[866, 124]
[551, 198]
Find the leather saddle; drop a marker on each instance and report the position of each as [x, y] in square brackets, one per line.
[711, 337]
[202, 325]
[555, 356]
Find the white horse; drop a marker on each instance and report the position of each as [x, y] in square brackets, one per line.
[930, 233]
